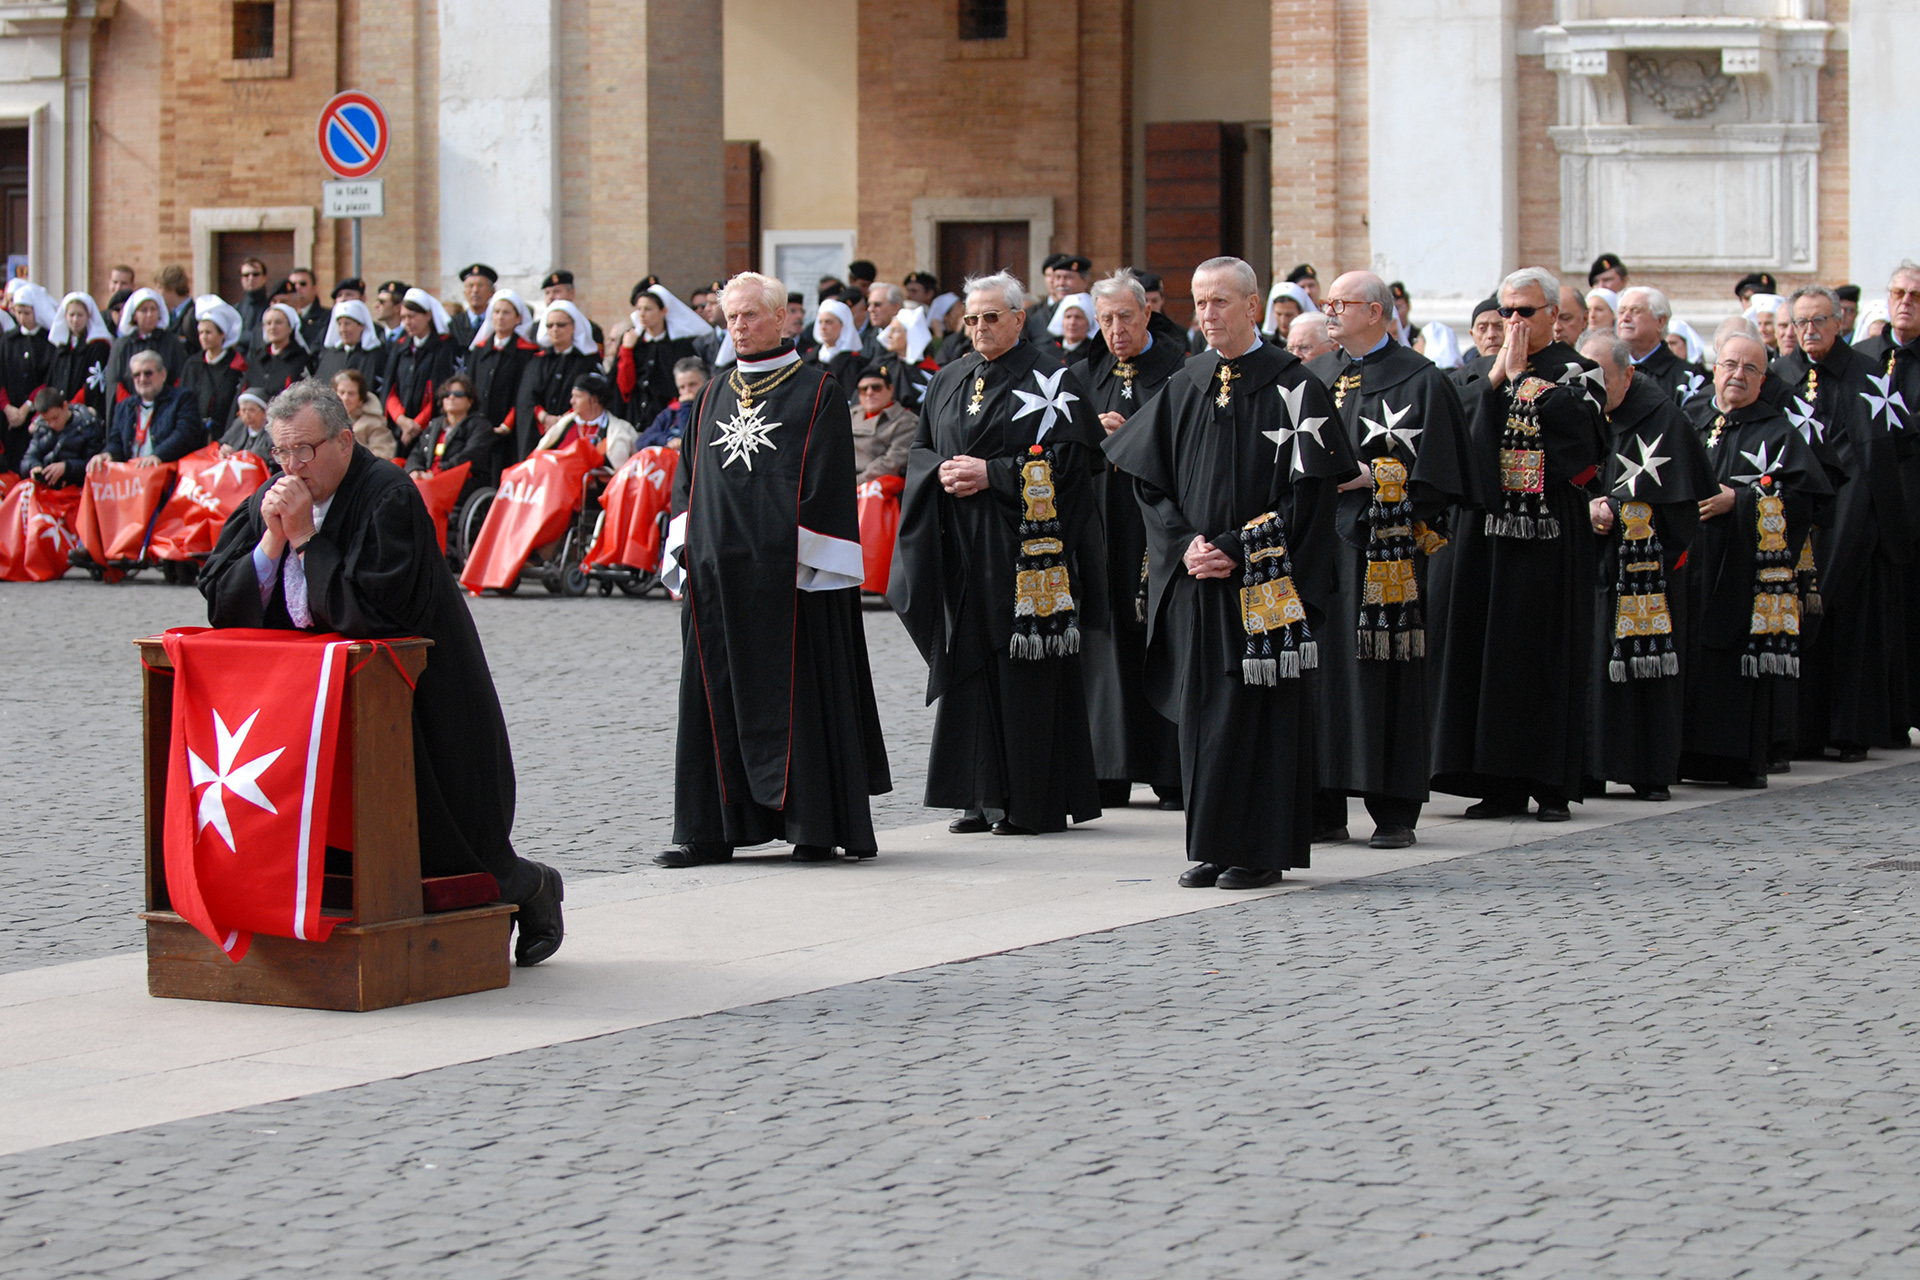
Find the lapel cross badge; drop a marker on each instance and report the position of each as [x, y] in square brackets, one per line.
[1226, 385]
[1125, 372]
[979, 391]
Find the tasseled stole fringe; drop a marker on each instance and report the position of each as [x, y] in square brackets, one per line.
[1523, 468]
[1391, 627]
[1808, 575]
[1642, 625]
[1043, 610]
[1140, 591]
[1773, 640]
[1279, 644]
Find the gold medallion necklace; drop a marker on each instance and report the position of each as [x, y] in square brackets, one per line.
[748, 390]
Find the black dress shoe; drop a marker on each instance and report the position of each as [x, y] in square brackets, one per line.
[1246, 878]
[1169, 802]
[1328, 835]
[1749, 781]
[1201, 875]
[861, 855]
[970, 824]
[1005, 828]
[538, 923]
[1391, 837]
[1554, 811]
[1652, 793]
[1495, 808]
[1852, 755]
[693, 855]
[812, 853]
[1779, 766]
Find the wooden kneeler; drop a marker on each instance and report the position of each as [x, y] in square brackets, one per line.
[392, 946]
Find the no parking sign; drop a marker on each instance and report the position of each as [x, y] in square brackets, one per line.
[353, 134]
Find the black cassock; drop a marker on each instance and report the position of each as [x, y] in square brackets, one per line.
[1247, 751]
[78, 371]
[779, 737]
[546, 383]
[1131, 741]
[1680, 380]
[1900, 365]
[1655, 460]
[1732, 725]
[375, 570]
[215, 387]
[1010, 734]
[1516, 622]
[1853, 688]
[1375, 736]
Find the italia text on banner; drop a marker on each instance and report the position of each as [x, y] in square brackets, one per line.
[211, 488]
[251, 776]
[639, 494]
[117, 505]
[536, 499]
[36, 531]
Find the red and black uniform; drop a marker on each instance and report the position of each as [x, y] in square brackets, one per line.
[215, 385]
[416, 369]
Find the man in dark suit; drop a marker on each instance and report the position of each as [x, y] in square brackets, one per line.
[158, 422]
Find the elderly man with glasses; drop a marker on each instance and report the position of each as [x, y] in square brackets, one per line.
[157, 423]
[341, 543]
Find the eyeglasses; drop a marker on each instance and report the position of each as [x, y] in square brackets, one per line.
[455, 392]
[147, 373]
[1525, 313]
[1902, 295]
[1735, 366]
[298, 455]
[1810, 322]
[988, 318]
[1334, 306]
[873, 389]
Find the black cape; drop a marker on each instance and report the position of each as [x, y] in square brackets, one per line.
[371, 364]
[415, 373]
[214, 387]
[1900, 363]
[496, 375]
[375, 570]
[162, 340]
[779, 736]
[1654, 456]
[1247, 752]
[78, 369]
[1516, 620]
[1679, 379]
[546, 382]
[1010, 734]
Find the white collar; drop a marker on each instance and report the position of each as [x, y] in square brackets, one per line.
[320, 510]
[780, 361]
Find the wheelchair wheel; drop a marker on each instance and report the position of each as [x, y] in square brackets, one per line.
[570, 575]
[636, 584]
[465, 526]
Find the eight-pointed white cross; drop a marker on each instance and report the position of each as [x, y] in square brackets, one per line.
[242, 780]
[1762, 465]
[744, 435]
[1649, 465]
[1811, 429]
[1885, 402]
[1408, 436]
[1051, 401]
[1292, 398]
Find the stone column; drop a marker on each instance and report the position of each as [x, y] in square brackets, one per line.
[1883, 47]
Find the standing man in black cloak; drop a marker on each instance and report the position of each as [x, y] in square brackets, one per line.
[1743, 601]
[1853, 687]
[1510, 718]
[1654, 479]
[342, 542]
[1403, 418]
[998, 564]
[779, 737]
[1133, 355]
[1236, 464]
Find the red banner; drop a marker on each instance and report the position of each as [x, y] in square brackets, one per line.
[251, 781]
[36, 531]
[441, 492]
[879, 526]
[640, 493]
[211, 488]
[536, 499]
[117, 502]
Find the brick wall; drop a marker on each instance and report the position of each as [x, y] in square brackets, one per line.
[1306, 133]
[124, 219]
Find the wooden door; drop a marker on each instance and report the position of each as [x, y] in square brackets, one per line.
[743, 207]
[982, 248]
[15, 225]
[1196, 203]
[231, 248]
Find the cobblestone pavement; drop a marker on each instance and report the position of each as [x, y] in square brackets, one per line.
[1682, 1046]
[589, 687]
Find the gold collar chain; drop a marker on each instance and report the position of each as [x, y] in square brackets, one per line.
[747, 390]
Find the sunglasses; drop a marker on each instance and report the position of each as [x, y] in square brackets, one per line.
[988, 318]
[1525, 313]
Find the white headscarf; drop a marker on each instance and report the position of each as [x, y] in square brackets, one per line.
[682, 320]
[1606, 295]
[211, 306]
[919, 334]
[1443, 345]
[938, 308]
[1875, 310]
[144, 295]
[293, 318]
[1762, 303]
[60, 335]
[849, 341]
[44, 312]
[582, 331]
[421, 298]
[483, 331]
[1285, 289]
[352, 309]
[1696, 348]
[1083, 301]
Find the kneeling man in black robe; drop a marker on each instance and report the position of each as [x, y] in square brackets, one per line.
[342, 543]
[1237, 465]
[779, 738]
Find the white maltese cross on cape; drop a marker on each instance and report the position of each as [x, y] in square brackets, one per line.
[1883, 404]
[744, 435]
[241, 779]
[1292, 397]
[1393, 431]
[1051, 401]
[1585, 380]
[1762, 465]
[1649, 465]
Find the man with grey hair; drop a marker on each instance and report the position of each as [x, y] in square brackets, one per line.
[1235, 466]
[1307, 337]
[998, 565]
[1654, 478]
[1853, 689]
[883, 304]
[1517, 620]
[341, 542]
[1134, 353]
[1641, 322]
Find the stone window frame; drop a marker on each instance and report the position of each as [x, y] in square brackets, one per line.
[203, 224]
[1014, 45]
[280, 65]
[1036, 211]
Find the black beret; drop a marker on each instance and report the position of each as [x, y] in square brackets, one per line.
[119, 299]
[1485, 305]
[800, 298]
[1075, 262]
[1847, 293]
[1149, 281]
[874, 370]
[397, 288]
[595, 384]
[1052, 260]
[1398, 289]
[1758, 281]
[557, 276]
[480, 269]
[285, 286]
[1304, 271]
[645, 283]
[861, 269]
[1604, 263]
[354, 283]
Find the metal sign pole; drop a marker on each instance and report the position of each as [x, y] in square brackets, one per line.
[356, 249]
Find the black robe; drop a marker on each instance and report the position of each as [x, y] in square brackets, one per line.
[1132, 742]
[78, 371]
[1900, 363]
[1515, 624]
[546, 382]
[375, 570]
[415, 373]
[1732, 728]
[25, 359]
[371, 364]
[1376, 739]
[1637, 721]
[119, 378]
[1853, 689]
[653, 386]
[779, 735]
[1010, 734]
[270, 372]
[1247, 752]
[215, 387]
[496, 388]
[1679, 379]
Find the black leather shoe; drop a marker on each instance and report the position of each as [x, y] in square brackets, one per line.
[538, 923]
[1169, 801]
[1329, 835]
[1852, 755]
[1201, 875]
[1652, 793]
[861, 855]
[693, 855]
[1748, 781]
[1391, 837]
[1554, 811]
[812, 853]
[1495, 808]
[969, 825]
[1779, 766]
[1005, 828]
[1246, 878]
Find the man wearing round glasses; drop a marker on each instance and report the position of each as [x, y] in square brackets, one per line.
[155, 424]
[342, 543]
